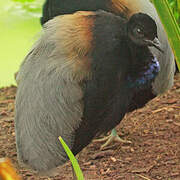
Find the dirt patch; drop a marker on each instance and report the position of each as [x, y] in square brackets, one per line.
[153, 155]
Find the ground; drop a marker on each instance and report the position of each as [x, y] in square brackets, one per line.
[153, 155]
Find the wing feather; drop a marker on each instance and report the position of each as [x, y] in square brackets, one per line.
[49, 96]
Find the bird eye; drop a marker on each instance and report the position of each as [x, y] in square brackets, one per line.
[139, 31]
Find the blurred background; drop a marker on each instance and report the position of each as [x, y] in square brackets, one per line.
[19, 28]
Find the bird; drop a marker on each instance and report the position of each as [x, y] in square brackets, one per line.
[78, 81]
[164, 80]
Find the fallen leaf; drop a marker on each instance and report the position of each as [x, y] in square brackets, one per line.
[102, 154]
[171, 101]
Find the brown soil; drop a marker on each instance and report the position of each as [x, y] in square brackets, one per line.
[153, 155]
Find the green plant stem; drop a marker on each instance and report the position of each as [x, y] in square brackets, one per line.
[73, 160]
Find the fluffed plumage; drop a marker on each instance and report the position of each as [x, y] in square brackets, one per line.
[78, 81]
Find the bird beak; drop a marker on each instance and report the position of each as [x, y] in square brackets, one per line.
[155, 43]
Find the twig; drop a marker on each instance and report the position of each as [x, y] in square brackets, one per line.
[143, 177]
[158, 110]
[165, 108]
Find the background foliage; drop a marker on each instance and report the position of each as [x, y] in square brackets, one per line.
[31, 6]
[175, 6]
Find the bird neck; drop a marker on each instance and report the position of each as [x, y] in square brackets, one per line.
[143, 69]
[140, 58]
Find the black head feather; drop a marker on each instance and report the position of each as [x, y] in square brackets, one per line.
[142, 30]
[142, 25]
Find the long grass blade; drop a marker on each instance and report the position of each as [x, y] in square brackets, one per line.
[73, 160]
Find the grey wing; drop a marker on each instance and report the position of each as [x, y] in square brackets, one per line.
[47, 106]
[165, 78]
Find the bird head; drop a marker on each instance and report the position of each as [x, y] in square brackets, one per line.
[142, 30]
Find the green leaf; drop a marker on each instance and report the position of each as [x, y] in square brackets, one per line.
[23, 1]
[171, 27]
[73, 160]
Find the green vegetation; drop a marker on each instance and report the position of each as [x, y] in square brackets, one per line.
[19, 29]
[73, 160]
[175, 7]
[165, 9]
[24, 1]
[29, 6]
